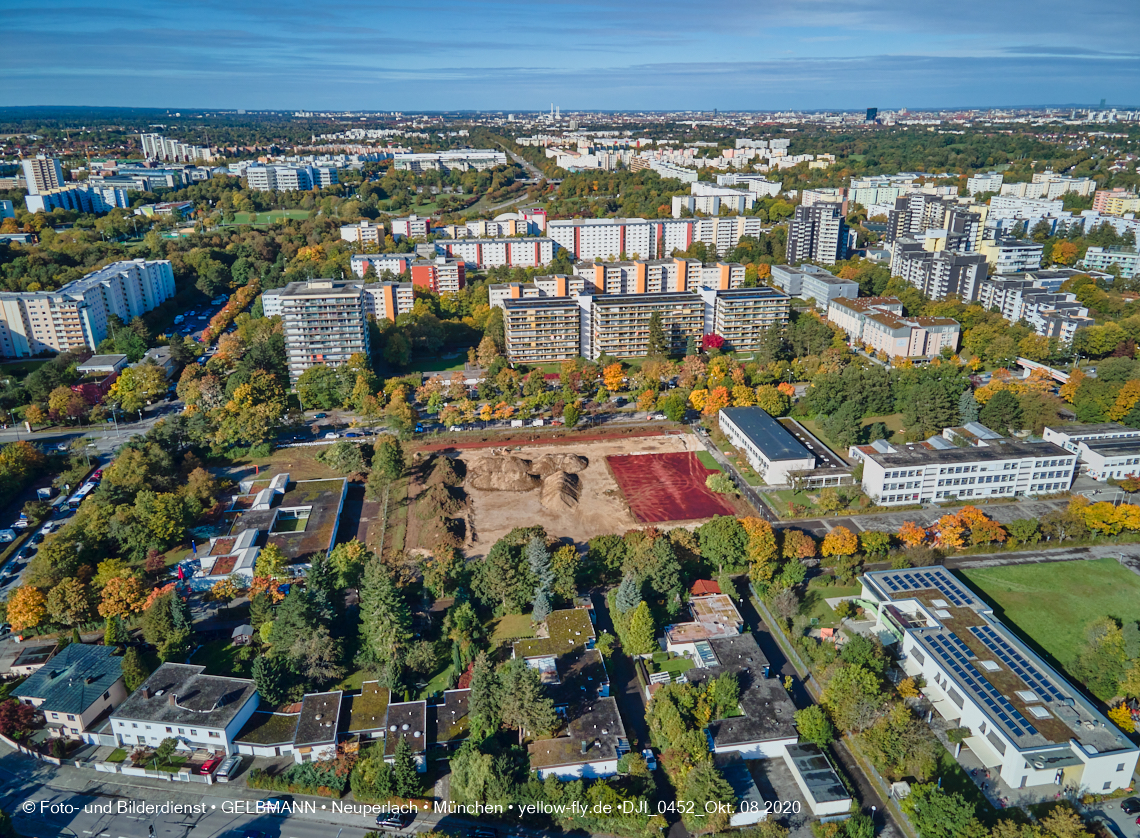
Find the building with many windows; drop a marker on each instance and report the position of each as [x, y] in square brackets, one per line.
[289, 178]
[619, 325]
[651, 276]
[809, 282]
[1023, 721]
[1051, 313]
[381, 263]
[456, 160]
[324, 323]
[388, 300]
[850, 314]
[541, 330]
[412, 227]
[938, 274]
[1012, 255]
[494, 253]
[77, 315]
[899, 336]
[817, 234]
[742, 315]
[771, 449]
[363, 232]
[441, 275]
[1103, 258]
[158, 147]
[42, 174]
[938, 470]
[79, 197]
[1107, 449]
[76, 689]
[639, 238]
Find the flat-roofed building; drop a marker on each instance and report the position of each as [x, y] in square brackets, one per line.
[897, 336]
[1103, 258]
[619, 325]
[589, 745]
[441, 275]
[495, 253]
[850, 314]
[1025, 722]
[324, 323]
[363, 232]
[769, 447]
[551, 285]
[381, 263]
[411, 226]
[1012, 255]
[541, 330]
[388, 300]
[938, 471]
[742, 315]
[809, 282]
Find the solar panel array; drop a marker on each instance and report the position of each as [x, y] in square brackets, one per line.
[949, 649]
[1021, 666]
[922, 580]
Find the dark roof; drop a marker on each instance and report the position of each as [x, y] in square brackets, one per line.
[317, 724]
[74, 679]
[409, 718]
[732, 768]
[768, 435]
[766, 710]
[33, 655]
[180, 693]
[269, 729]
[450, 720]
[1006, 449]
[817, 773]
[599, 725]
[581, 675]
[1113, 447]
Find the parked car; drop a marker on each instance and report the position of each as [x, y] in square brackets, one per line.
[209, 765]
[229, 768]
[1130, 805]
[353, 435]
[321, 416]
[332, 435]
[456, 428]
[419, 428]
[395, 820]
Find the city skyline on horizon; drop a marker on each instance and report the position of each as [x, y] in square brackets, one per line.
[582, 54]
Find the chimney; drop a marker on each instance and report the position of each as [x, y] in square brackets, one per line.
[171, 700]
[585, 746]
[146, 692]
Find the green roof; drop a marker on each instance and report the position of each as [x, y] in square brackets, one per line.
[74, 679]
[269, 729]
[367, 709]
[566, 629]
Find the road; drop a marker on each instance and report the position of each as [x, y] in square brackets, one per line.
[530, 168]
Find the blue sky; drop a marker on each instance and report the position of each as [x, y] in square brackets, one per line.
[579, 54]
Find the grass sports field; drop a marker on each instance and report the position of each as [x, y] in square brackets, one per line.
[1054, 602]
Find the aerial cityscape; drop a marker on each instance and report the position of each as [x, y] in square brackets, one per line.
[570, 420]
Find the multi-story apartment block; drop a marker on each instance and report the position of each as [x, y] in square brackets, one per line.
[939, 274]
[897, 336]
[79, 198]
[290, 178]
[158, 147]
[441, 275]
[493, 253]
[952, 225]
[541, 330]
[757, 184]
[42, 174]
[1116, 201]
[651, 276]
[742, 315]
[553, 285]
[1012, 255]
[393, 263]
[364, 232]
[1103, 258]
[459, 160]
[710, 198]
[1024, 721]
[817, 234]
[1049, 185]
[810, 282]
[609, 238]
[412, 227]
[324, 323]
[1050, 313]
[850, 314]
[938, 470]
[989, 182]
[619, 325]
[77, 315]
[388, 300]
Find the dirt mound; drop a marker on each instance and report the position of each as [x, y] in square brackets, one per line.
[550, 463]
[502, 474]
[560, 491]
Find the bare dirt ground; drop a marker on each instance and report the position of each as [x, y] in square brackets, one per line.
[601, 508]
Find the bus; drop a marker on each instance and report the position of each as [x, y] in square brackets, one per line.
[81, 495]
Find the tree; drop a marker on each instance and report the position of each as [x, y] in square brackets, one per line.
[814, 726]
[135, 671]
[344, 457]
[523, 703]
[385, 622]
[720, 483]
[613, 377]
[570, 415]
[138, 386]
[658, 344]
[404, 773]
[1121, 716]
[723, 541]
[320, 386]
[761, 550]
[967, 407]
[26, 608]
[273, 679]
[830, 500]
[772, 401]
[911, 534]
[271, 563]
[713, 797]
[875, 543]
[1024, 530]
[389, 458]
[839, 542]
[69, 602]
[483, 703]
[940, 814]
[851, 697]
[1002, 412]
[641, 631]
[798, 545]
[487, 352]
[628, 594]
[16, 718]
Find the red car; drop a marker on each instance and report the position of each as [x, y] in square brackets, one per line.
[210, 765]
[98, 475]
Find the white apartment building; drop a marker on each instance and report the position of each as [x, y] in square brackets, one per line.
[937, 470]
[1049, 185]
[938, 274]
[1025, 722]
[364, 232]
[1012, 255]
[158, 147]
[541, 329]
[323, 321]
[710, 198]
[289, 178]
[441, 275]
[493, 253]
[553, 285]
[757, 184]
[850, 313]
[989, 182]
[652, 276]
[638, 238]
[412, 227]
[77, 314]
[1103, 258]
[457, 160]
[393, 263]
[742, 315]
[879, 324]
[1106, 450]
[1051, 313]
[810, 282]
[179, 701]
[42, 174]
[79, 198]
[818, 234]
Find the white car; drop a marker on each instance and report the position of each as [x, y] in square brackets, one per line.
[332, 435]
[456, 428]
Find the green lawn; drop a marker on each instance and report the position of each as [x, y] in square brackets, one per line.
[437, 684]
[785, 496]
[351, 681]
[455, 364]
[1054, 603]
[510, 627]
[117, 755]
[220, 658]
[708, 461]
[19, 369]
[271, 216]
[814, 605]
[676, 666]
[173, 766]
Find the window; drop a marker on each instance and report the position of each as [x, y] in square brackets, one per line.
[193, 732]
[106, 695]
[70, 717]
[55, 715]
[1107, 786]
[170, 730]
[215, 735]
[134, 725]
[1120, 767]
[181, 730]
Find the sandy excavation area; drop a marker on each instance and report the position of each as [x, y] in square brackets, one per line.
[566, 488]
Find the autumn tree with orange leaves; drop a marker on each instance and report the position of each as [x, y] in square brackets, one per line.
[911, 534]
[839, 542]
